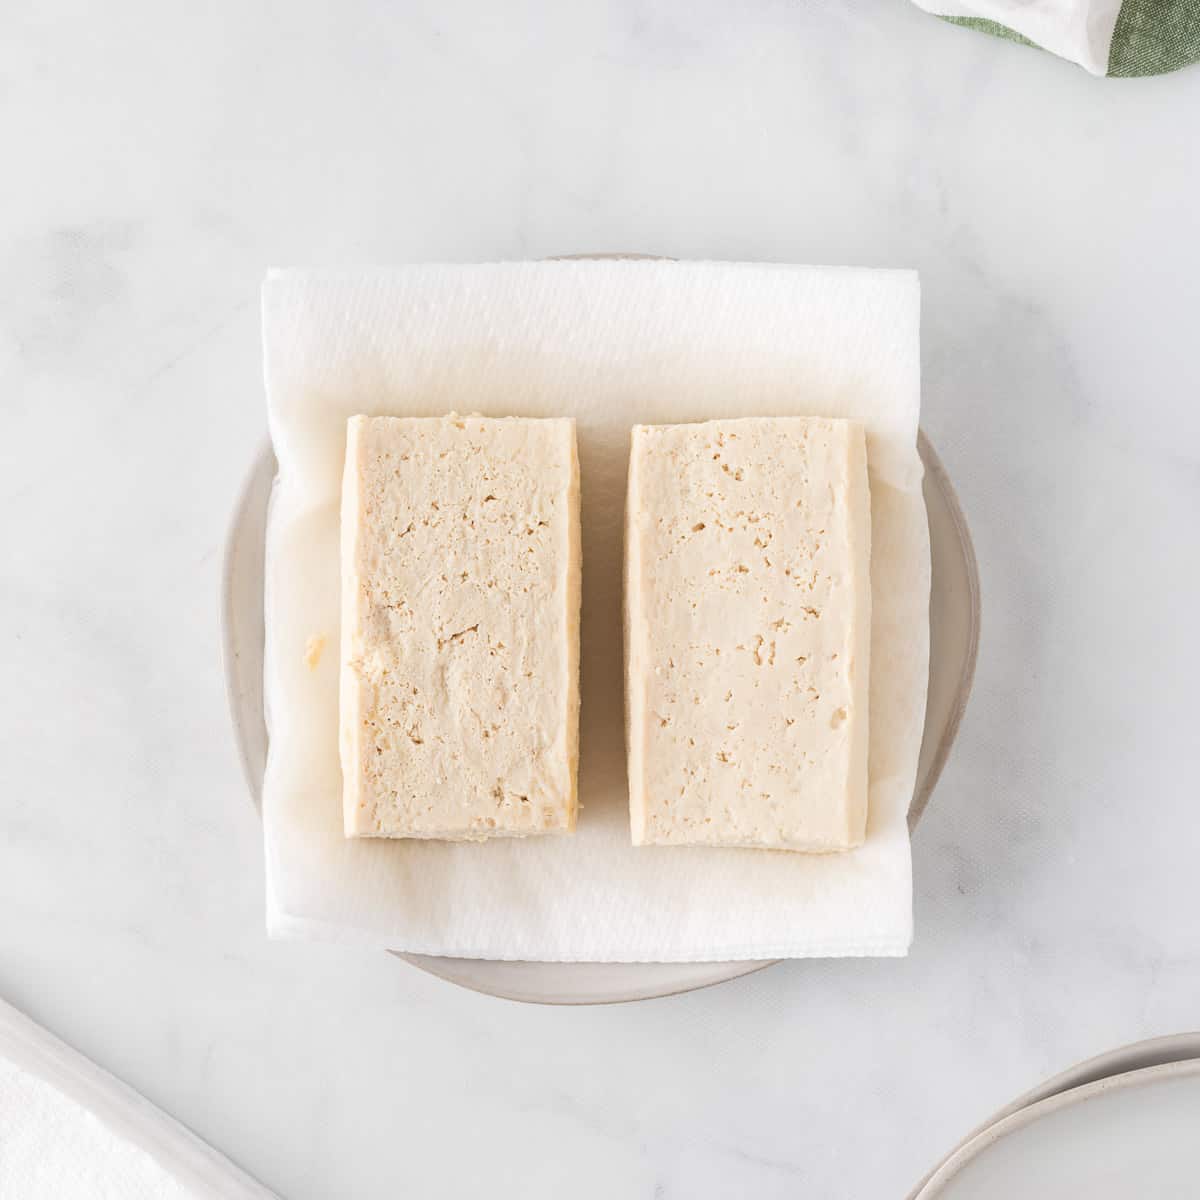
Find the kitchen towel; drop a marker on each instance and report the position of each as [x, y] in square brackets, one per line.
[611, 343]
[1105, 37]
[70, 1131]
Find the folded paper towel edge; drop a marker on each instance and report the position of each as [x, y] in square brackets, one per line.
[281, 926]
[126, 1113]
[631, 263]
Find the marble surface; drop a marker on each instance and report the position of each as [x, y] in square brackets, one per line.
[159, 156]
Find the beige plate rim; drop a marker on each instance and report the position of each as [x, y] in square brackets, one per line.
[1135, 1065]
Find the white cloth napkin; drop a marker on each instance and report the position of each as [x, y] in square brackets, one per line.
[611, 343]
[70, 1131]
[1079, 30]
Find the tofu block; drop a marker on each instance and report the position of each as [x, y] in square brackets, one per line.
[748, 625]
[460, 627]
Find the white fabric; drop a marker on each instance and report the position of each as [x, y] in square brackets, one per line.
[1081, 30]
[612, 343]
[70, 1131]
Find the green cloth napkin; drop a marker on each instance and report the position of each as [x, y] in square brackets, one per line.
[1106, 37]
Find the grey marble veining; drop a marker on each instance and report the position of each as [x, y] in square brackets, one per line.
[160, 156]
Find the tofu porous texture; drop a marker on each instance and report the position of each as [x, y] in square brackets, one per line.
[747, 633]
[460, 627]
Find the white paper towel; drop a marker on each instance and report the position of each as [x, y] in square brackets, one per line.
[70, 1131]
[612, 343]
[1079, 30]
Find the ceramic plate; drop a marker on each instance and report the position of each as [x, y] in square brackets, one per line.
[1154, 1052]
[1126, 1135]
[954, 619]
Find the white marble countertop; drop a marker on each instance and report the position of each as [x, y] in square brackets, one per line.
[160, 156]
